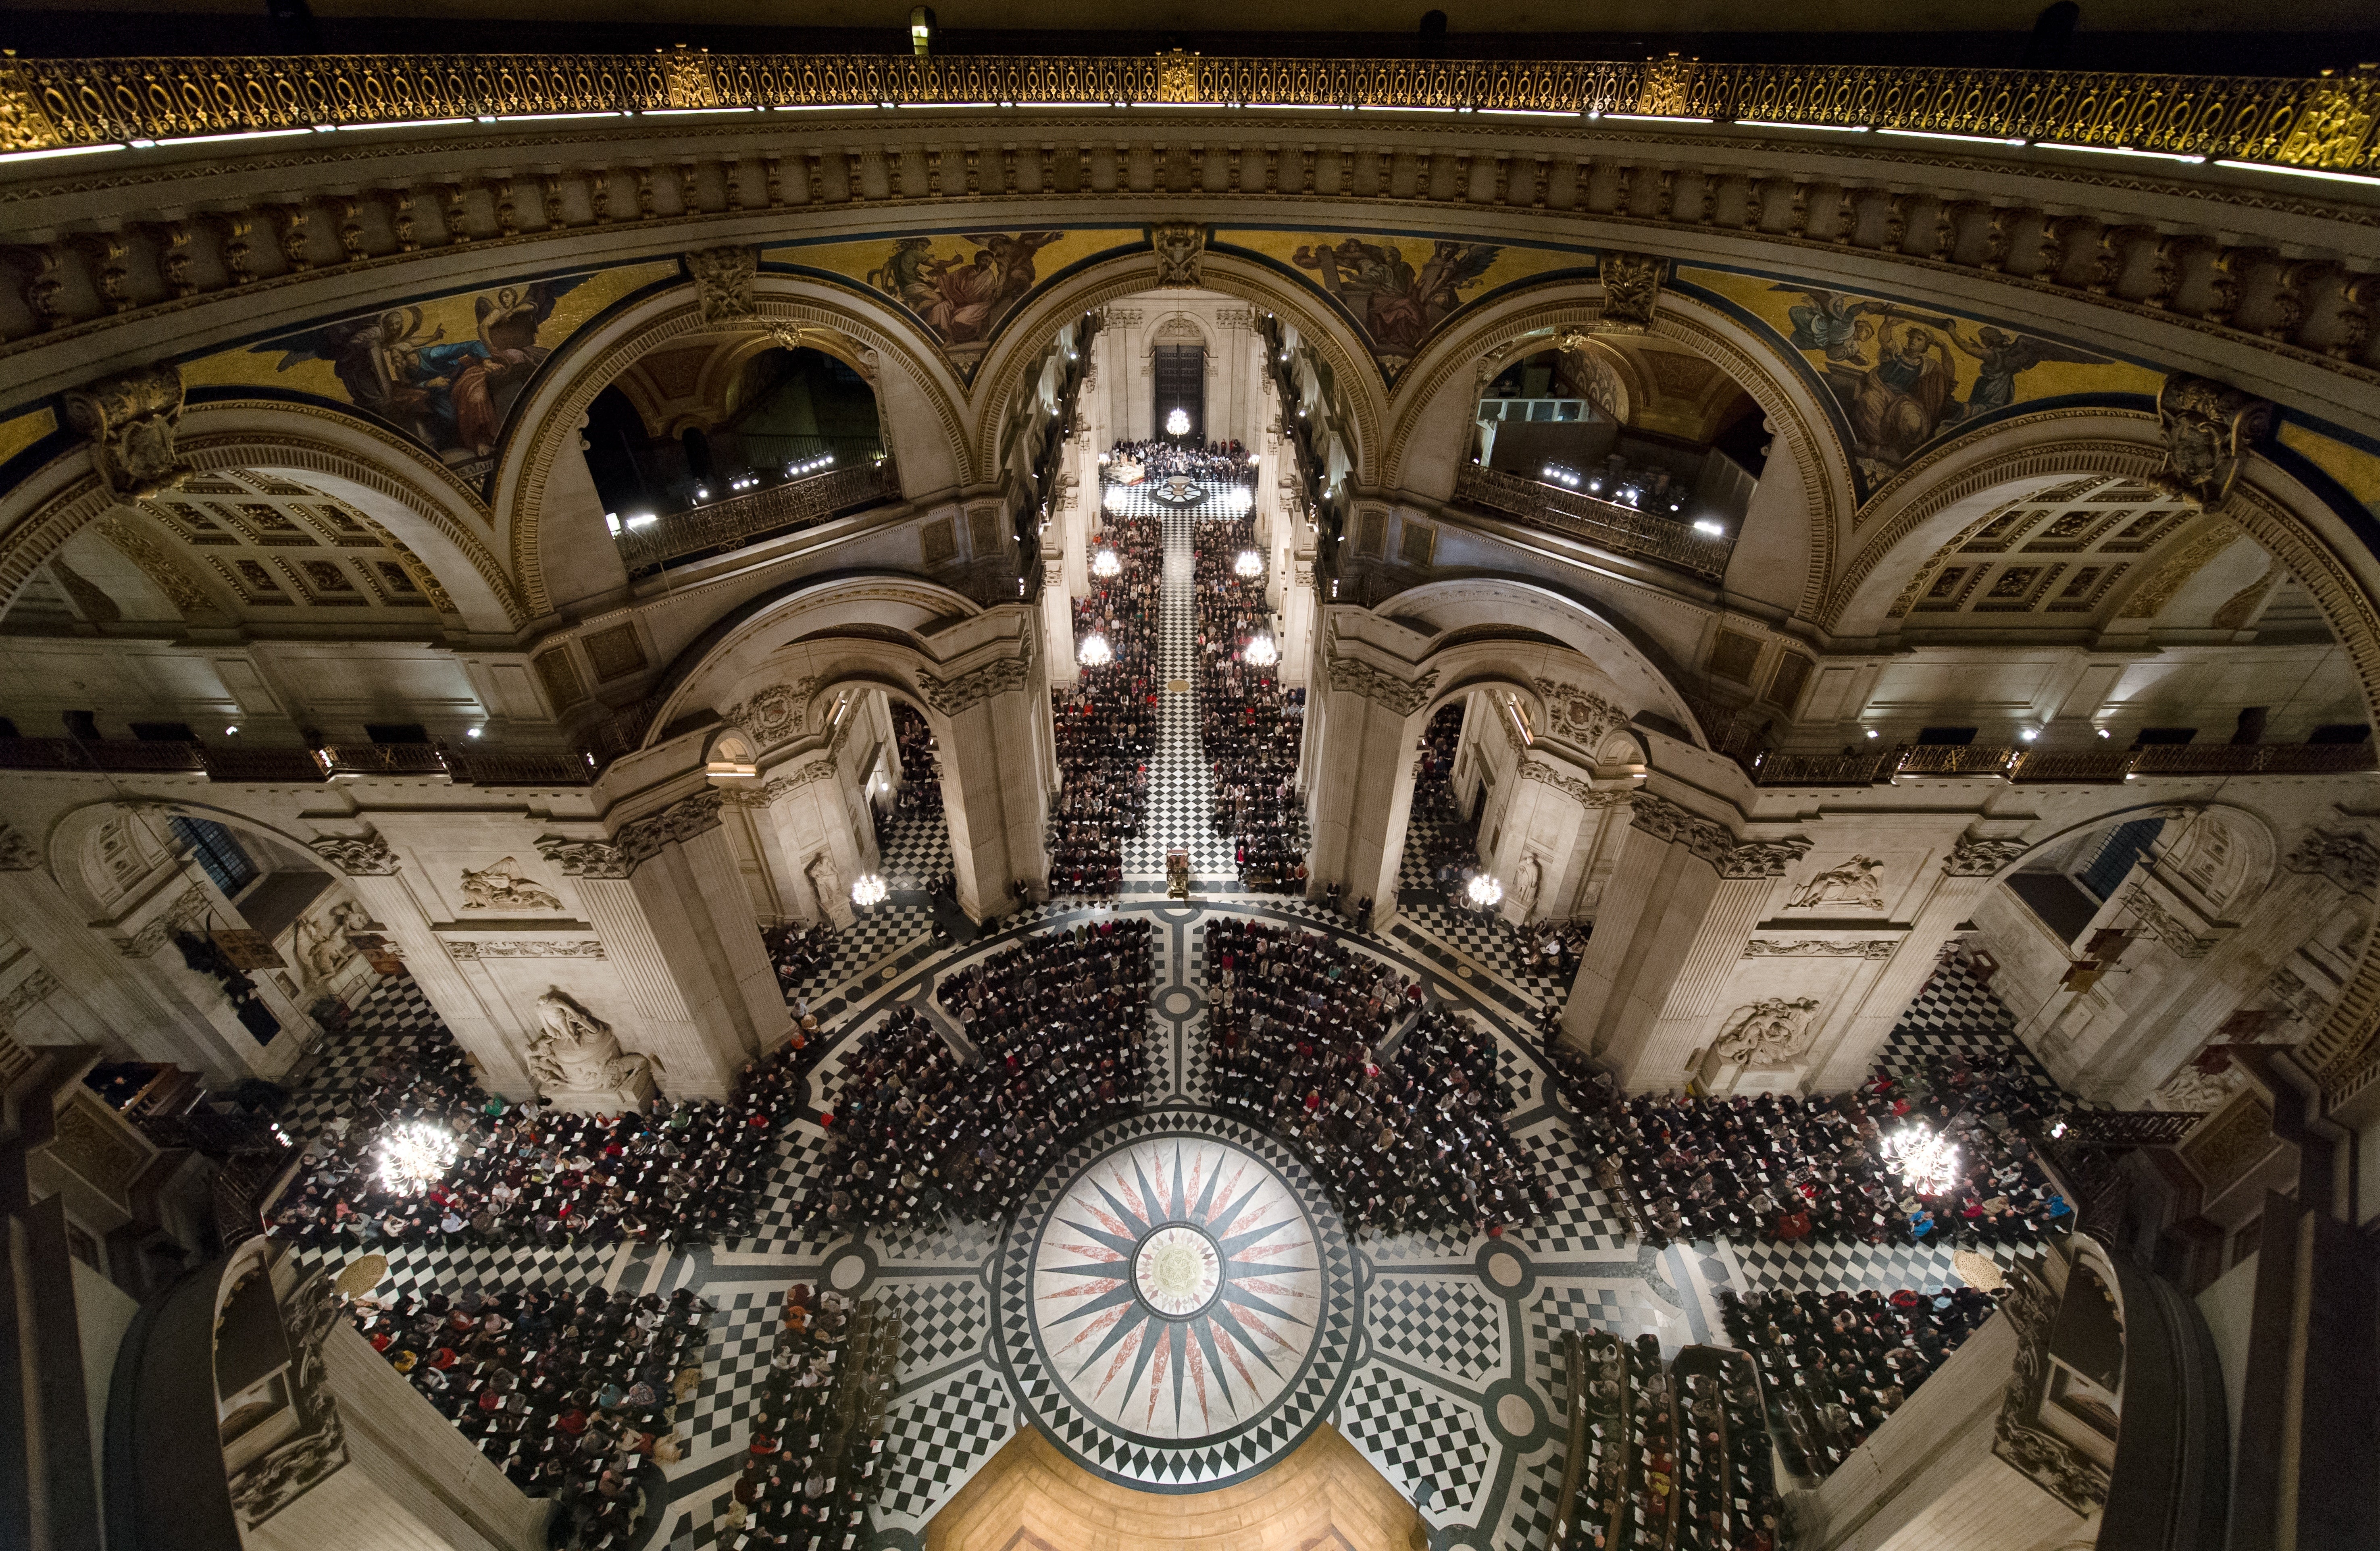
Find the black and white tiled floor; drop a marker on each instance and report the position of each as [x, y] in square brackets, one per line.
[1180, 812]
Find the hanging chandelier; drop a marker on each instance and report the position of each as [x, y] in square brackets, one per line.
[1484, 890]
[1094, 652]
[1927, 1161]
[1106, 567]
[869, 890]
[1178, 423]
[1260, 652]
[414, 1155]
[1250, 564]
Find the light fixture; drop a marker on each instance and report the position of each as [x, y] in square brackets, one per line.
[1260, 652]
[1094, 652]
[643, 519]
[2103, 732]
[1105, 565]
[1872, 733]
[1484, 890]
[414, 1155]
[869, 890]
[1926, 1162]
[921, 30]
[612, 521]
[2028, 734]
[1250, 564]
[473, 731]
[1178, 423]
[1704, 524]
[231, 732]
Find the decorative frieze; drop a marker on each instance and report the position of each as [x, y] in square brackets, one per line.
[1858, 884]
[1820, 948]
[640, 840]
[2344, 856]
[365, 855]
[1982, 855]
[1764, 858]
[466, 949]
[1584, 793]
[583, 858]
[504, 887]
[952, 697]
[1349, 675]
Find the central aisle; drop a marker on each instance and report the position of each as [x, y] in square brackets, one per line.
[1181, 802]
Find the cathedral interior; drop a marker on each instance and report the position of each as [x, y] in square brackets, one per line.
[1078, 778]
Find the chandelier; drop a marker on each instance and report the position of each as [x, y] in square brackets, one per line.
[869, 890]
[1105, 565]
[1094, 652]
[1260, 652]
[415, 1155]
[1178, 423]
[1927, 1161]
[1249, 565]
[1484, 890]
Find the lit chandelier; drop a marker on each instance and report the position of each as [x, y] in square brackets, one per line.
[1927, 1161]
[1105, 565]
[1484, 890]
[1094, 652]
[1260, 652]
[415, 1155]
[1178, 423]
[1250, 564]
[869, 890]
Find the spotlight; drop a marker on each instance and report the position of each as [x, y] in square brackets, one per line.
[2103, 732]
[2029, 733]
[473, 731]
[1872, 733]
[231, 732]
[1714, 529]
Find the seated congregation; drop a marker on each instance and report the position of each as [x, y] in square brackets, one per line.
[572, 1394]
[816, 1443]
[1253, 729]
[1396, 1102]
[1105, 726]
[1053, 1039]
[1676, 1454]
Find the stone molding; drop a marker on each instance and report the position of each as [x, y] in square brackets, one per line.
[16, 852]
[2178, 935]
[1982, 855]
[2041, 1458]
[2347, 857]
[364, 855]
[1586, 793]
[583, 858]
[465, 950]
[1349, 675]
[780, 786]
[953, 696]
[640, 840]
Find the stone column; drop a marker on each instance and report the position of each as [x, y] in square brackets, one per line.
[486, 1030]
[994, 755]
[1359, 782]
[683, 883]
[1297, 617]
[1747, 877]
[1058, 623]
[663, 1027]
[1844, 1054]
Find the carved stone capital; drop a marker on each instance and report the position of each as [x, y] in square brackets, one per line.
[1586, 793]
[2210, 428]
[640, 840]
[1764, 858]
[583, 858]
[1982, 855]
[131, 419]
[1181, 252]
[1632, 288]
[722, 283]
[365, 855]
[950, 697]
[1350, 676]
[1666, 821]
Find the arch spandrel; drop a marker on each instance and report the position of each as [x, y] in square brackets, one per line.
[1431, 409]
[921, 402]
[390, 480]
[1001, 378]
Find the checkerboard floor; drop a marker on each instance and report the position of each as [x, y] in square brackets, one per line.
[1955, 1014]
[1181, 808]
[914, 850]
[1446, 1325]
[392, 1021]
[1432, 1448]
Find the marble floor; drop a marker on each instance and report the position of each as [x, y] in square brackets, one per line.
[1433, 1356]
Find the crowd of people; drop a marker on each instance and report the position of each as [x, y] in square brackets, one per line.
[803, 953]
[1837, 1364]
[811, 1466]
[571, 1394]
[1676, 1457]
[1058, 1030]
[1253, 728]
[921, 765]
[529, 1174]
[1396, 1102]
[1106, 724]
[1216, 463]
[1894, 1162]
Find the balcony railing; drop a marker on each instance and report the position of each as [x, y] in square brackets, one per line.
[2045, 766]
[1622, 529]
[2326, 122]
[787, 508]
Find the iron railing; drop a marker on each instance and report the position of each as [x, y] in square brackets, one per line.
[2038, 766]
[1622, 529]
[476, 768]
[786, 508]
[2326, 122]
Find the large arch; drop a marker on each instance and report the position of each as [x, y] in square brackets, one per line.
[921, 403]
[391, 481]
[1002, 376]
[1425, 434]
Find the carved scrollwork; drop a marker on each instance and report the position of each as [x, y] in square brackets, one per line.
[365, 855]
[2049, 1462]
[1820, 948]
[583, 858]
[1771, 1033]
[275, 1479]
[1578, 714]
[1764, 858]
[950, 697]
[1982, 855]
[2184, 941]
[722, 283]
[2209, 430]
[1350, 676]
[1586, 793]
[773, 713]
[640, 840]
[1181, 251]
[131, 419]
[1666, 821]
[2347, 857]
[468, 950]
[1631, 289]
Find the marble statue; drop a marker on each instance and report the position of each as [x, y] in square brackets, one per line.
[1766, 1033]
[1525, 878]
[578, 1061]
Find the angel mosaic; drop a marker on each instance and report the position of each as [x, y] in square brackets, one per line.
[962, 296]
[450, 393]
[1397, 304]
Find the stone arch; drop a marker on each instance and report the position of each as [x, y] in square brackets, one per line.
[919, 400]
[1476, 615]
[391, 481]
[1002, 377]
[1424, 450]
[69, 846]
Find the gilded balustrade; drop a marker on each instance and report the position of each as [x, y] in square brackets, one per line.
[2325, 122]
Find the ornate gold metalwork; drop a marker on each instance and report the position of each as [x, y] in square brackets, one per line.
[2326, 121]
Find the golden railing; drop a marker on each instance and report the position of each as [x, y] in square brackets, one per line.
[2325, 122]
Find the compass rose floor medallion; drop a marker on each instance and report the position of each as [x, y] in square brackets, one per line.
[1179, 1302]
